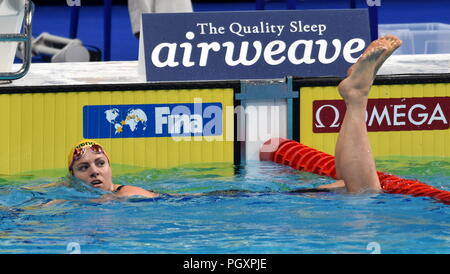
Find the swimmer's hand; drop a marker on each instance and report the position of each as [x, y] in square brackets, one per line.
[336, 185]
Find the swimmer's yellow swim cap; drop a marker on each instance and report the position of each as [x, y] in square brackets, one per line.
[80, 148]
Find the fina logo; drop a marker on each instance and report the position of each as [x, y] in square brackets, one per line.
[152, 120]
[133, 119]
[178, 121]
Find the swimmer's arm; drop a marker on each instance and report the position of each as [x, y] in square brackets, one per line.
[46, 185]
[54, 202]
[335, 185]
[51, 203]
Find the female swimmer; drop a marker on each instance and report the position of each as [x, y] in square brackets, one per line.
[89, 162]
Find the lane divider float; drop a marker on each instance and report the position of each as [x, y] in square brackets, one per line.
[301, 157]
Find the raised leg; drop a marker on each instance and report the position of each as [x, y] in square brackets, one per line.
[354, 160]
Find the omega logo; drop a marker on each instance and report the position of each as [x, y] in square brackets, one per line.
[335, 123]
[393, 114]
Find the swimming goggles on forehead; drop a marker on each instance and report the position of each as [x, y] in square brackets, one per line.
[79, 152]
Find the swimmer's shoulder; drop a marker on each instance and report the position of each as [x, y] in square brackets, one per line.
[127, 190]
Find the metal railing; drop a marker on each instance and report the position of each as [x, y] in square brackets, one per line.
[25, 38]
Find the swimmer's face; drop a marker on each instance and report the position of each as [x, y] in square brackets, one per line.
[93, 169]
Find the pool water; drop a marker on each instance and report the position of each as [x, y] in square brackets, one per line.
[260, 217]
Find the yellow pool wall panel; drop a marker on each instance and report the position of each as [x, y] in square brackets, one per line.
[38, 130]
[434, 143]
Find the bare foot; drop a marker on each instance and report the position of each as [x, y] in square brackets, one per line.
[356, 85]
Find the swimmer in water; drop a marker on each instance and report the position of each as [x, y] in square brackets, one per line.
[89, 162]
[355, 165]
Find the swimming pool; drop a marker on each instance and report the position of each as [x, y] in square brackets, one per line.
[260, 218]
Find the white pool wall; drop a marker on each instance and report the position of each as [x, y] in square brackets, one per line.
[11, 18]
